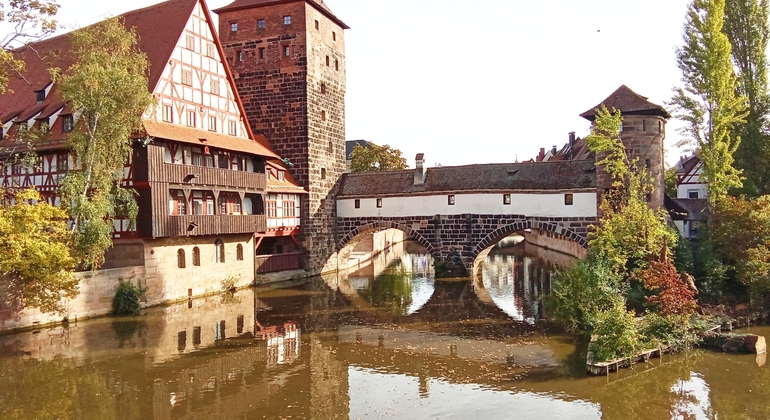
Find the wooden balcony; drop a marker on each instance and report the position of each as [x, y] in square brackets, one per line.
[278, 262]
[188, 225]
[201, 175]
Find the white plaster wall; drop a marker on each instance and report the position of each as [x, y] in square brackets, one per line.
[542, 205]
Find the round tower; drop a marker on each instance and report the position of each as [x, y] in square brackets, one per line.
[643, 133]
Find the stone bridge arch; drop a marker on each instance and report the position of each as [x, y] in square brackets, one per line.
[485, 245]
[353, 235]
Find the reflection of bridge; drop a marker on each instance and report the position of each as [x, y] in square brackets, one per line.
[458, 212]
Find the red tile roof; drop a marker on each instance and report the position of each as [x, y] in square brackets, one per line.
[246, 4]
[195, 136]
[627, 102]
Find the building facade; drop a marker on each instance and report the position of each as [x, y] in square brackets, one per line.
[288, 60]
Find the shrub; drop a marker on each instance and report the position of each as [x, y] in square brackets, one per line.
[615, 334]
[126, 300]
[673, 330]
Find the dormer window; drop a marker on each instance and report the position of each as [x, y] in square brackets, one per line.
[234, 27]
[66, 123]
[40, 95]
[44, 126]
[281, 175]
[287, 20]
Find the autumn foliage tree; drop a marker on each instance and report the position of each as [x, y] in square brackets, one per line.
[107, 87]
[376, 158]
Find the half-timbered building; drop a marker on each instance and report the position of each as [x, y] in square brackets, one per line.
[210, 191]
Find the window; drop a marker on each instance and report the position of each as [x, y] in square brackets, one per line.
[357, 203]
[45, 126]
[62, 163]
[323, 173]
[334, 36]
[331, 147]
[647, 163]
[66, 122]
[286, 51]
[260, 24]
[239, 257]
[506, 199]
[202, 203]
[568, 199]
[317, 25]
[231, 128]
[272, 208]
[210, 48]
[196, 334]
[219, 250]
[379, 203]
[176, 202]
[327, 61]
[212, 123]
[289, 208]
[281, 175]
[287, 20]
[40, 95]
[451, 199]
[190, 42]
[191, 117]
[168, 113]
[215, 86]
[180, 260]
[239, 56]
[229, 203]
[644, 125]
[323, 88]
[187, 77]
[648, 197]
[693, 194]
[196, 256]
[336, 65]
[224, 162]
[323, 115]
[233, 26]
[261, 53]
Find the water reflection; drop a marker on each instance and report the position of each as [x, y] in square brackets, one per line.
[423, 349]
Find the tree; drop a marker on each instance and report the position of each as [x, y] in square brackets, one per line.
[29, 20]
[746, 26]
[36, 266]
[630, 233]
[107, 87]
[376, 158]
[708, 102]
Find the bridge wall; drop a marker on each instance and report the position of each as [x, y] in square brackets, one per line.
[457, 239]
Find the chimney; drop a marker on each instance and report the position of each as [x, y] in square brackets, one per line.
[419, 169]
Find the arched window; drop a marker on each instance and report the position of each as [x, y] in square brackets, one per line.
[239, 252]
[196, 256]
[219, 250]
[180, 260]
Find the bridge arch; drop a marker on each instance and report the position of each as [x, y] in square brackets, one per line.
[483, 247]
[361, 230]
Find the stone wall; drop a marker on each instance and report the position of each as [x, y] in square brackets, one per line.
[297, 102]
[461, 238]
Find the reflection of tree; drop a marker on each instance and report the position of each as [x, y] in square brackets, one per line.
[126, 329]
[392, 290]
[34, 389]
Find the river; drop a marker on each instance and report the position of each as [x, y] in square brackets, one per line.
[398, 344]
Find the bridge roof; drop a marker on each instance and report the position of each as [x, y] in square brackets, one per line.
[562, 175]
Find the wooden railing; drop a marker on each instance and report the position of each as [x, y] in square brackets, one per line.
[202, 175]
[278, 262]
[187, 225]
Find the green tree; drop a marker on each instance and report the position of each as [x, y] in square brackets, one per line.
[708, 102]
[107, 87]
[36, 266]
[28, 20]
[376, 158]
[746, 26]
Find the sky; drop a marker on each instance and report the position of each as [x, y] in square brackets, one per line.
[485, 81]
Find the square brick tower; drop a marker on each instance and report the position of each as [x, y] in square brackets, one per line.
[288, 60]
[643, 132]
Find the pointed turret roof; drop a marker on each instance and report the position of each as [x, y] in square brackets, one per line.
[627, 102]
[247, 4]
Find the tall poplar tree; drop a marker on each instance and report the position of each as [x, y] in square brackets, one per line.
[107, 88]
[709, 103]
[746, 26]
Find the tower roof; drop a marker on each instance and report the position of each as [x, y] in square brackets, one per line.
[627, 102]
[247, 4]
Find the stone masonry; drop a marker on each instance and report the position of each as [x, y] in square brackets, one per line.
[290, 74]
[464, 236]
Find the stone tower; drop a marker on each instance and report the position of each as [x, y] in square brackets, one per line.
[288, 60]
[643, 132]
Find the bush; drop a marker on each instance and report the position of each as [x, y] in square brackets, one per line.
[615, 334]
[580, 292]
[126, 300]
[673, 330]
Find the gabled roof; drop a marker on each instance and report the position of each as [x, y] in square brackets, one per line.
[566, 175]
[627, 102]
[695, 209]
[247, 4]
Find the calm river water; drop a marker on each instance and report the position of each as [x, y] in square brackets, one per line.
[395, 345]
